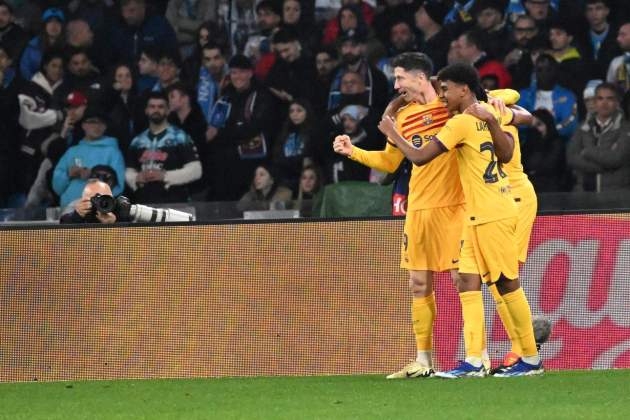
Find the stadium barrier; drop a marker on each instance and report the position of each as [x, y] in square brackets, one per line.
[281, 298]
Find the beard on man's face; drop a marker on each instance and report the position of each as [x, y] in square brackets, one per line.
[350, 58]
[157, 118]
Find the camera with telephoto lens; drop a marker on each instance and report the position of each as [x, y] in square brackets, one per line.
[127, 212]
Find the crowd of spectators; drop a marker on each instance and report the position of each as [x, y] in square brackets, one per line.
[212, 100]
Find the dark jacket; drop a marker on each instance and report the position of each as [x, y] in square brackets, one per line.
[608, 50]
[544, 161]
[14, 38]
[127, 42]
[601, 157]
[296, 78]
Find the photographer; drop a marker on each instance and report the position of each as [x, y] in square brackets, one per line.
[84, 211]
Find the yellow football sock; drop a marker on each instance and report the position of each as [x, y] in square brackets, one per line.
[472, 312]
[422, 315]
[506, 319]
[521, 315]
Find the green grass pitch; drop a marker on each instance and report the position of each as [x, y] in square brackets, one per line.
[556, 395]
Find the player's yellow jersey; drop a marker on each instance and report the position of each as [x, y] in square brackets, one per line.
[433, 185]
[485, 185]
[514, 168]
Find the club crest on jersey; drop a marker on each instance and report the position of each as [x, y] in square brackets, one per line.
[427, 120]
[416, 140]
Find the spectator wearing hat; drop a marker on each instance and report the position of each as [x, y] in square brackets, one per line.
[528, 43]
[74, 168]
[599, 152]
[265, 191]
[242, 126]
[293, 74]
[574, 71]
[490, 20]
[470, 49]
[436, 39]
[76, 103]
[50, 37]
[600, 46]
[40, 116]
[546, 93]
[137, 29]
[354, 58]
[162, 161]
[11, 35]
[619, 69]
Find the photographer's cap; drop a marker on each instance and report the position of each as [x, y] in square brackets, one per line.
[95, 113]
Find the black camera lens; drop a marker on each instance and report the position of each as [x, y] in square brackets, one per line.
[103, 203]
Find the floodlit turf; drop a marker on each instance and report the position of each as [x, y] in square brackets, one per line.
[556, 395]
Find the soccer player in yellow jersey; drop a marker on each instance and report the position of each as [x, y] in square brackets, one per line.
[489, 251]
[435, 208]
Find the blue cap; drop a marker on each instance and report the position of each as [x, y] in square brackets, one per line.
[53, 13]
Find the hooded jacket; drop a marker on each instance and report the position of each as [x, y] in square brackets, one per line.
[88, 153]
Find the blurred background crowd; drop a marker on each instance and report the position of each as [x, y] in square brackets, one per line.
[219, 100]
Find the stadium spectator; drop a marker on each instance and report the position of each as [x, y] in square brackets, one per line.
[76, 103]
[40, 112]
[471, 50]
[600, 47]
[547, 94]
[137, 29]
[50, 37]
[311, 182]
[169, 70]
[208, 33]
[75, 166]
[541, 11]
[490, 21]
[268, 20]
[10, 84]
[293, 147]
[212, 77]
[265, 192]
[527, 42]
[186, 114]
[599, 152]
[588, 96]
[293, 19]
[619, 69]
[121, 101]
[97, 13]
[82, 75]
[353, 14]
[543, 154]
[148, 68]
[361, 127]
[293, 74]
[391, 12]
[162, 161]
[326, 61]
[354, 59]
[11, 34]
[401, 39]
[242, 125]
[83, 212]
[429, 18]
[573, 70]
[186, 16]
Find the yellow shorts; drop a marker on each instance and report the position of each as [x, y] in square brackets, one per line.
[432, 238]
[527, 203]
[490, 250]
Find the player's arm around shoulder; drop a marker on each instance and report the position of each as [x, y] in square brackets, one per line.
[418, 157]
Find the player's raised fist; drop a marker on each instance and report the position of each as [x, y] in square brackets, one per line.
[342, 145]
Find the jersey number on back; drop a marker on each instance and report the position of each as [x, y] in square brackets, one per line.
[489, 176]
